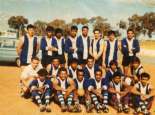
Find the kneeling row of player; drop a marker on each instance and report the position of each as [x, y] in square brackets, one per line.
[92, 93]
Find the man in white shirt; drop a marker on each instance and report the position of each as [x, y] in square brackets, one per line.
[29, 73]
[96, 47]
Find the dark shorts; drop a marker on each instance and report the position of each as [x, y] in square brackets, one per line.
[46, 60]
[127, 60]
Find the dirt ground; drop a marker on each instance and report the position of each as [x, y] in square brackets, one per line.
[12, 104]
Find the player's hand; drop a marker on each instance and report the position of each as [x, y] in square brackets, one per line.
[72, 49]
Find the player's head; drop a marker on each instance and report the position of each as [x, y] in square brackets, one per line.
[62, 73]
[58, 33]
[85, 30]
[135, 62]
[98, 74]
[117, 77]
[90, 61]
[42, 74]
[49, 31]
[145, 78]
[97, 33]
[111, 35]
[73, 31]
[80, 74]
[35, 62]
[74, 63]
[113, 65]
[55, 62]
[130, 33]
[30, 29]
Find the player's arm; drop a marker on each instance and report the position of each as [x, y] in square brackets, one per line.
[19, 45]
[56, 86]
[101, 49]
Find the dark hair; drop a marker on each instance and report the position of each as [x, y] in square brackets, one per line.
[85, 27]
[90, 57]
[145, 75]
[111, 32]
[35, 58]
[96, 29]
[49, 29]
[117, 73]
[30, 26]
[74, 28]
[135, 59]
[79, 70]
[62, 69]
[55, 57]
[130, 30]
[58, 30]
[74, 60]
[113, 62]
[42, 72]
[98, 70]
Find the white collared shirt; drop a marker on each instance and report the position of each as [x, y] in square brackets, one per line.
[59, 42]
[73, 72]
[73, 40]
[85, 44]
[112, 48]
[91, 71]
[98, 84]
[49, 41]
[130, 46]
[29, 71]
[80, 84]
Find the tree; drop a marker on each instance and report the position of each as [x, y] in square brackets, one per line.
[82, 21]
[40, 27]
[101, 23]
[17, 23]
[143, 24]
[57, 23]
[122, 24]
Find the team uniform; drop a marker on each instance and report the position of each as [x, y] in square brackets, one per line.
[109, 75]
[71, 43]
[145, 90]
[129, 45]
[60, 45]
[100, 103]
[41, 91]
[29, 49]
[72, 72]
[53, 71]
[46, 54]
[90, 72]
[116, 100]
[137, 72]
[81, 94]
[95, 50]
[60, 94]
[111, 52]
[83, 45]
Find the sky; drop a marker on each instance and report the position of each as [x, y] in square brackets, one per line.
[48, 10]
